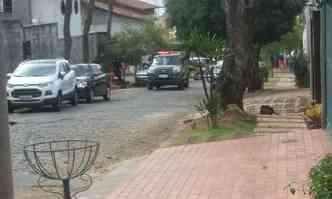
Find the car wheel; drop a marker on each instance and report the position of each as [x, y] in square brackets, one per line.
[180, 86]
[150, 86]
[10, 109]
[91, 96]
[74, 100]
[186, 85]
[106, 96]
[57, 105]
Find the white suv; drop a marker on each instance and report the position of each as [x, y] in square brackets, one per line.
[41, 82]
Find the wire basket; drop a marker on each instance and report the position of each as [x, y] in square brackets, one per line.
[62, 160]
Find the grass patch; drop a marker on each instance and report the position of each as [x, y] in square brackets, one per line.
[198, 132]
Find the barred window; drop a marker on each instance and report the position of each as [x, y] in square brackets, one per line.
[6, 6]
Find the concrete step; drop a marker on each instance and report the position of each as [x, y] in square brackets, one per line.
[276, 130]
[280, 120]
[288, 116]
[281, 125]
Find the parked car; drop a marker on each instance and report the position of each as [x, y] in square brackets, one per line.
[41, 82]
[204, 62]
[141, 75]
[91, 82]
[168, 69]
[216, 69]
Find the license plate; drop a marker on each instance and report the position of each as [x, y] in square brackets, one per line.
[25, 98]
[163, 76]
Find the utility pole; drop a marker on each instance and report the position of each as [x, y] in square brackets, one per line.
[6, 176]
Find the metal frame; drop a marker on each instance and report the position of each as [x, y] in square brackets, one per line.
[79, 156]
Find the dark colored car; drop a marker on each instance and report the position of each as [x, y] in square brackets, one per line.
[91, 82]
[168, 69]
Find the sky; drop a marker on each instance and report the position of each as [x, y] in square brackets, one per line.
[160, 11]
[155, 2]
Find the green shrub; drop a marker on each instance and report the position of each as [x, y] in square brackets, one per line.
[321, 179]
[313, 116]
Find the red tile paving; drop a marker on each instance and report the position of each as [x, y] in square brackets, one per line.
[259, 167]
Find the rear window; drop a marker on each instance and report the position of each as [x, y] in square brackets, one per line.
[167, 60]
[96, 69]
[81, 70]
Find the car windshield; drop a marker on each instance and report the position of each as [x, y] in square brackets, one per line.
[142, 67]
[167, 60]
[81, 70]
[35, 70]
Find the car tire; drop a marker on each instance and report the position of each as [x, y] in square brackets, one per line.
[57, 105]
[181, 86]
[150, 87]
[10, 109]
[186, 85]
[107, 95]
[91, 96]
[74, 99]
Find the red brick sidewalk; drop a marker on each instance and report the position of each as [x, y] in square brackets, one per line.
[252, 168]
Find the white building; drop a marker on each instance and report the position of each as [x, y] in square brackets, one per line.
[126, 13]
[49, 11]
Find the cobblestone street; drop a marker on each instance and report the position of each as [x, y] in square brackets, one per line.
[134, 123]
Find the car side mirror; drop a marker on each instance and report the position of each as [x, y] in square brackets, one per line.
[9, 75]
[62, 75]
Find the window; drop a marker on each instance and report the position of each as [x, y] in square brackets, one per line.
[35, 70]
[167, 60]
[61, 68]
[66, 67]
[6, 6]
[96, 69]
[27, 50]
[81, 70]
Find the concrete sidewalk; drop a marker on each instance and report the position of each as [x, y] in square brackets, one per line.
[258, 167]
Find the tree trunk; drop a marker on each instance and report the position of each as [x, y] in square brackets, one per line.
[240, 31]
[66, 29]
[86, 31]
[110, 18]
[6, 183]
[256, 79]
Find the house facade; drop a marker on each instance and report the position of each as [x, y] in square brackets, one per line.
[126, 13]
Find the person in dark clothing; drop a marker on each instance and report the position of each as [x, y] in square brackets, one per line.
[117, 69]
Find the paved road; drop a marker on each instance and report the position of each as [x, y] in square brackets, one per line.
[133, 123]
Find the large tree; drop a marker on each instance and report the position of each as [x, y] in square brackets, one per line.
[273, 19]
[245, 25]
[86, 30]
[111, 4]
[67, 9]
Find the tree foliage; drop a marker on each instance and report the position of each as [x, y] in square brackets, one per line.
[273, 19]
[209, 46]
[200, 15]
[246, 25]
[133, 43]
